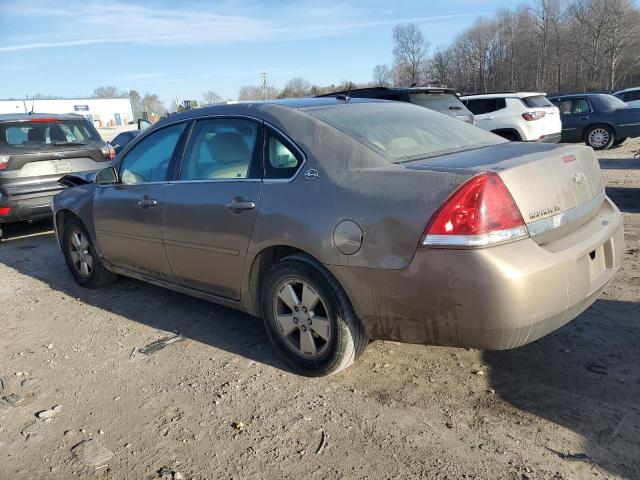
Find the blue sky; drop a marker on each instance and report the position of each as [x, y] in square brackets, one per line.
[182, 48]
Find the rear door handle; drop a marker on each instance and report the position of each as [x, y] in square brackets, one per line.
[239, 204]
[584, 118]
[147, 202]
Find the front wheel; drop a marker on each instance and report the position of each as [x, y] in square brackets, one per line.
[82, 259]
[309, 318]
[599, 137]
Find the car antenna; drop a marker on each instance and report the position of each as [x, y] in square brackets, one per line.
[346, 97]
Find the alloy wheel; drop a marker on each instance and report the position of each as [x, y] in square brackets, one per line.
[80, 253]
[598, 137]
[302, 318]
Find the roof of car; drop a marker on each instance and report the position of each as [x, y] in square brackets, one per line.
[504, 95]
[390, 90]
[632, 89]
[25, 117]
[571, 95]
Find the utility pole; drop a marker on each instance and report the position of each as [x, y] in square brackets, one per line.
[264, 85]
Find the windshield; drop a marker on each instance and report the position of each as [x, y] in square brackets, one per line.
[611, 102]
[49, 132]
[441, 102]
[403, 132]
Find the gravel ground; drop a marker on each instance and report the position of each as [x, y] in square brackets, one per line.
[218, 403]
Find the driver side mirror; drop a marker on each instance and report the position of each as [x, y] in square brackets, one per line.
[107, 176]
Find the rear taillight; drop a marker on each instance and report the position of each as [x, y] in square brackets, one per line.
[529, 116]
[5, 211]
[109, 152]
[480, 212]
[4, 162]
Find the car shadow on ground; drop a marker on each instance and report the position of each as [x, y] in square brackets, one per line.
[627, 199]
[162, 309]
[584, 377]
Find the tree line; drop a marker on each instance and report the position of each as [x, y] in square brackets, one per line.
[553, 46]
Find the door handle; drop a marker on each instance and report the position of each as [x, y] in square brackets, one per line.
[584, 118]
[147, 202]
[238, 205]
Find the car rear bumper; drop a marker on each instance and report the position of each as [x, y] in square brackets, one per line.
[28, 202]
[492, 298]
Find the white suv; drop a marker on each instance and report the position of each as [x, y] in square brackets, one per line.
[630, 96]
[522, 116]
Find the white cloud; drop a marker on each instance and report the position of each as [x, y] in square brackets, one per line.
[187, 24]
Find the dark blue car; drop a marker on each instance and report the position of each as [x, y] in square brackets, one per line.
[597, 119]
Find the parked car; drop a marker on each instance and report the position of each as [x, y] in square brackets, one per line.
[35, 151]
[342, 221]
[443, 100]
[122, 139]
[630, 96]
[597, 119]
[516, 116]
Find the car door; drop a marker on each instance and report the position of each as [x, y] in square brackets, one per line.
[576, 115]
[127, 215]
[210, 207]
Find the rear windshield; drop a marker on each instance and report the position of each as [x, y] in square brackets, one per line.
[441, 102]
[403, 132]
[40, 133]
[612, 103]
[537, 101]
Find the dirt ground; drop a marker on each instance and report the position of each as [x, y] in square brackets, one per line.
[564, 407]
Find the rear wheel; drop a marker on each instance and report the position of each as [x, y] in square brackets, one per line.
[309, 318]
[599, 137]
[81, 257]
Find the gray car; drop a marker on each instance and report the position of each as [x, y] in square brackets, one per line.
[36, 150]
[339, 221]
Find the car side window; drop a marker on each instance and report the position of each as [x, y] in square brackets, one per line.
[149, 160]
[221, 149]
[481, 106]
[580, 105]
[281, 159]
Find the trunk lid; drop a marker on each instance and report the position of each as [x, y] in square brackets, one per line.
[544, 180]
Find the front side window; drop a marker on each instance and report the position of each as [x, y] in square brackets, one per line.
[402, 132]
[221, 149]
[282, 160]
[149, 160]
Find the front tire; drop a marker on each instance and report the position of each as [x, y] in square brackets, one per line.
[82, 259]
[599, 137]
[309, 318]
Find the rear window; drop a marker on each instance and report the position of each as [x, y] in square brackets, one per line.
[441, 102]
[402, 132]
[536, 101]
[43, 133]
[611, 103]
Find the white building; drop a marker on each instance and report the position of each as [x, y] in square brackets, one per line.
[103, 112]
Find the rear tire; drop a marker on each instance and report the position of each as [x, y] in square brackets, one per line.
[599, 137]
[82, 259]
[309, 318]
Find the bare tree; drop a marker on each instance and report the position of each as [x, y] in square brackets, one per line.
[152, 104]
[381, 76]
[409, 53]
[256, 92]
[297, 87]
[211, 97]
[134, 98]
[107, 92]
